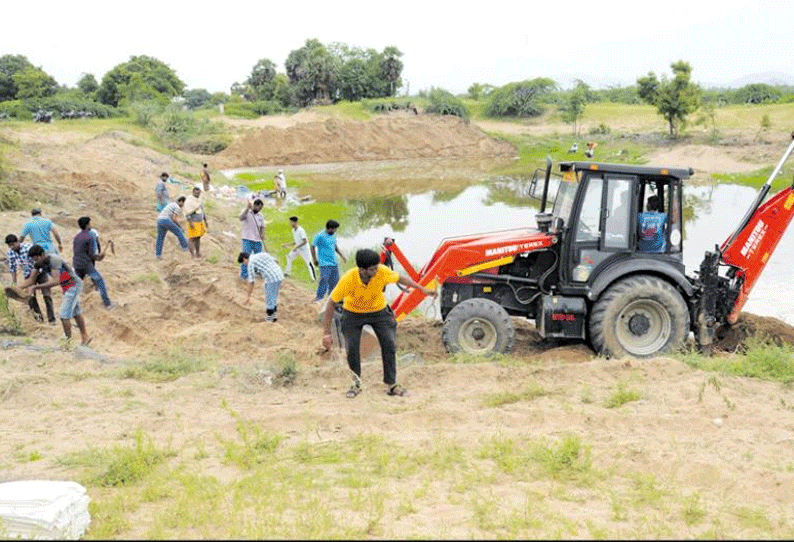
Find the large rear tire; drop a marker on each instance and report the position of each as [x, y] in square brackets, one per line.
[478, 326]
[641, 317]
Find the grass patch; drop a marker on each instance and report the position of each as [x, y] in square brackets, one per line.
[622, 396]
[168, 366]
[312, 217]
[566, 459]
[757, 178]
[153, 278]
[10, 322]
[530, 392]
[119, 466]
[693, 509]
[253, 446]
[285, 369]
[761, 360]
[466, 358]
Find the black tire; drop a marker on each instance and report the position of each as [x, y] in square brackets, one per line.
[478, 326]
[641, 316]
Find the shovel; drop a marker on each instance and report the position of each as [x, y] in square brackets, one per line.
[17, 294]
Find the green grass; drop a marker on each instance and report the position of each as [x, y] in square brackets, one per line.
[761, 360]
[366, 485]
[621, 396]
[152, 277]
[757, 178]
[530, 392]
[253, 445]
[118, 466]
[10, 322]
[166, 366]
[285, 369]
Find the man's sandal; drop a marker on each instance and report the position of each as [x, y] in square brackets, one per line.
[353, 392]
[396, 389]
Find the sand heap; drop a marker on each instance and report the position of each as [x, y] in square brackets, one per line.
[390, 137]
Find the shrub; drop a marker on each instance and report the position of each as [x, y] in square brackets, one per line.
[522, 99]
[601, 129]
[444, 102]
[206, 144]
[10, 198]
[144, 112]
[243, 110]
[61, 105]
[285, 370]
[16, 108]
[384, 106]
[252, 110]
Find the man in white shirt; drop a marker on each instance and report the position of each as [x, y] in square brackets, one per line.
[168, 220]
[299, 248]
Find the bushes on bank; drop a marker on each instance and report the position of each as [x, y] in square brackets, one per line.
[443, 102]
[61, 105]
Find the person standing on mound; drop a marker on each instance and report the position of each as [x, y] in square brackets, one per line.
[360, 291]
[324, 251]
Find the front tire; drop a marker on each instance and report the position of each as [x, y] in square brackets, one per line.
[641, 317]
[478, 326]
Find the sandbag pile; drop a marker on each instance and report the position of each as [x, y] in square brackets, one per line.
[43, 510]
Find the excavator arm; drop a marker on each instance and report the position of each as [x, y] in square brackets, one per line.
[462, 256]
[748, 249]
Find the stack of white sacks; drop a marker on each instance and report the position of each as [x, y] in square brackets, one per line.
[43, 510]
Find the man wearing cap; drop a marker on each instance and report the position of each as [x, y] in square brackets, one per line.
[196, 220]
[41, 231]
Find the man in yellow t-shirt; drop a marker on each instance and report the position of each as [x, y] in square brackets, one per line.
[360, 291]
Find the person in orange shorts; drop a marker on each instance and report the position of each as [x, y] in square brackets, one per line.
[196, 221]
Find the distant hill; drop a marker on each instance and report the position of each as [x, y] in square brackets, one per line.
[770, 78]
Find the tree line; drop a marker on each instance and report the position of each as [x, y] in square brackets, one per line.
[314, 73]
[318, 73]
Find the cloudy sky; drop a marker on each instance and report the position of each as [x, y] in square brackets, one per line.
[445, 44]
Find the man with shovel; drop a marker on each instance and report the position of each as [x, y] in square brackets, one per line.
[18, 260]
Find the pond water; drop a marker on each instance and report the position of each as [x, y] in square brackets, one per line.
[717, 210]
[419, 212]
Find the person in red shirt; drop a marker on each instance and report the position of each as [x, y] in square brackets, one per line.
[61, 273]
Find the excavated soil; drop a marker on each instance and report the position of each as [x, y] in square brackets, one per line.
[384, 138]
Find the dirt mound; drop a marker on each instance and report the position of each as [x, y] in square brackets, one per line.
[389, 137]
[753, 327]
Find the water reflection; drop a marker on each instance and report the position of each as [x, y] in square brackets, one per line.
[420, 221]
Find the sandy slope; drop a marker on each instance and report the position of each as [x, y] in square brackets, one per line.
[727, 442]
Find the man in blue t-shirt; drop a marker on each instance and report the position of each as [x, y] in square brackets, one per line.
[41, 231]
[652, 225]
[324, 251]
